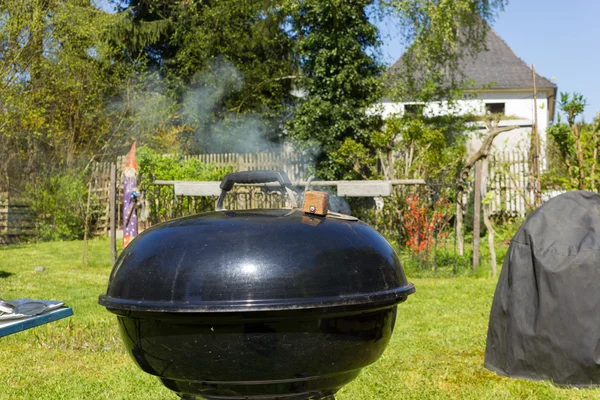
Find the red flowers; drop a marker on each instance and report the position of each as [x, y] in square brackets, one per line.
[423, 224]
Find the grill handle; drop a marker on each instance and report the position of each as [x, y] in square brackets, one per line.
[260, 176]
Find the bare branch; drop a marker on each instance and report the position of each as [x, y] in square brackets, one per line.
[484, 149]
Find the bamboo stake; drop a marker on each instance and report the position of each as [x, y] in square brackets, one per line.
[486, 216]
[476, 215]
[85, 225]
[535, 148]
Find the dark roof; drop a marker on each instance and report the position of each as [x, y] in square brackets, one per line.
[498, 66]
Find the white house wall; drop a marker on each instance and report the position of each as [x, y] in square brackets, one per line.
[518, 108]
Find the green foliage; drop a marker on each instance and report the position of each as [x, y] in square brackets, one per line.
[157, 166]
[188, 76]
[445, 262]
[506, 228]
[187, 41]
[353, 161]
[86, 82]
[160, 199]
[417, 220]
[572, 105]
[573, 148]
[58, 201]
[432, 147]
[56, 85]
[440, 34]
[340, 80]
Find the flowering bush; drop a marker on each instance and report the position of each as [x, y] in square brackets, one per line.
[424, 224]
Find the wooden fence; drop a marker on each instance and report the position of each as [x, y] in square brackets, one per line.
[295, 165]
[509, 181]
[15, 219]
[100, 192]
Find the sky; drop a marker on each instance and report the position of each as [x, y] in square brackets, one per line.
[561, 38]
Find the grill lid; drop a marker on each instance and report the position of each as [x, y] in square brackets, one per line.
[256, 260]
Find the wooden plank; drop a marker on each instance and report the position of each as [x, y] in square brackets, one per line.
[476, 215]
[197, 189]
[313, 183]
[364, 189]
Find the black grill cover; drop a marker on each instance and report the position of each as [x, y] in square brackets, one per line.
[545, 318]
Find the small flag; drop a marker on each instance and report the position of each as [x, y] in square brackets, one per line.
[130, 197]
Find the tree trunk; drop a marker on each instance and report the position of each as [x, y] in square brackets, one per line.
[492, 131]
[488, 225]
[409, 160]
[595, 135]
[36, 44]
[580, 158]
[486, 215]
[391, 171]
[593, 186]
[86, 227]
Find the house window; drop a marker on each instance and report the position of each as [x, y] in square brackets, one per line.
[495, 108]
[414, 109]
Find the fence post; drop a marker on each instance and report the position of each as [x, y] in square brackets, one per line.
[476, 215]
[86, 225]
[113, 213]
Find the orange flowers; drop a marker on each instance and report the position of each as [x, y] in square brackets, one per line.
[423, 225]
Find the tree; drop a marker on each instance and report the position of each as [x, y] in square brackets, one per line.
[340, 81]
[188, 43]
[438, 34]
[57, 75]
[492, 131]
[573, 147]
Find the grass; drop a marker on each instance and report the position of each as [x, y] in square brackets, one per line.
[436, 351]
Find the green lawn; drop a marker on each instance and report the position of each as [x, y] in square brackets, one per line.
[436, 351]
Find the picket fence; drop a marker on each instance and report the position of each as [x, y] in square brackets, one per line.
[508, 180]
[295, 165]
[15, 219]
[510, 183]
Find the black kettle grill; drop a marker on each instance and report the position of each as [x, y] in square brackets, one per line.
[257, 304]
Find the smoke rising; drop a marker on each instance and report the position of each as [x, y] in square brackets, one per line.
[219, 130]
[151, 115]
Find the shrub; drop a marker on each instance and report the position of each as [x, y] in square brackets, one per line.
[58, 201]
[175, 167]
[161, 202]
[424, 224]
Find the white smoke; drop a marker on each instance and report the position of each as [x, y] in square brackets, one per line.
[220, 130]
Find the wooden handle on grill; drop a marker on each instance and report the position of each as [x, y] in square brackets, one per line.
[316, 203]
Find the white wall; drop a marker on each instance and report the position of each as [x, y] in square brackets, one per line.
[518, 106]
